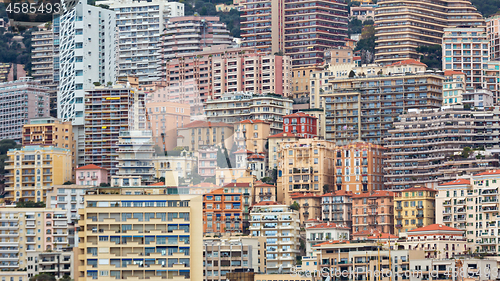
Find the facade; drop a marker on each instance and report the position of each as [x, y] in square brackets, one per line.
[270, 220]
[234, 107]
[207, 161]
[453, 213]
[441, 155]
[478, 99]
[363, 12]
[138, 44]
[135, 156]
[222, 212]
[309, 205]
[394, 39]
[149, 218]
[32, 170]
[23, 100]
[414, 208]
[467, 50]
[336, 207]
[453, 87]
[164, 118]
[91, 175]
[323, 232]
[69, 198]
[278, 28]
[190, 34]
[182, 164]
[264, 192]
[108, 111]
[301, 80]
[42, 56]
[274, 146]
[373, 211]
[197, 134]
[470, 267]
[302, 124]
[493, 32]
[252, 135]
[305, 166]
[364, 108]
[57, 263]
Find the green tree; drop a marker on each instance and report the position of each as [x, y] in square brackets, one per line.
[431, 55]
[66, 277]
[43, 277]
[29, 204]
[295, 206]
[5, 145]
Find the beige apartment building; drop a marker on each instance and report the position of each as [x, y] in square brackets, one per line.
[336, 207]
[309, 206]
[453, 87]
[400, 30]
[252, 135]
[274, 146]
[493, 32]
[414, 208]
[140, 233]
[201, 133]
[57, 264]
[164, 118]
[301, 80]
[305, 166]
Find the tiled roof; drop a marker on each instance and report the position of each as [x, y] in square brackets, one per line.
[487, 173]
[205, 124]
[303, 195]
[457, 182]
[338, 193]
[157, 184]
[327, 225]
[256, 156]
[299, 114]
[180, 136]
[418, 188]
[266, 203]
[90, 167]
[263, 185]
[377, 193]
[435, 227]
[243, 151]
[237, 184]
[451, 72]
[331, 242]
[408, 62]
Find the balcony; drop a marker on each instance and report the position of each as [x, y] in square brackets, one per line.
[420, 207]
[420, 215]
[398, 208]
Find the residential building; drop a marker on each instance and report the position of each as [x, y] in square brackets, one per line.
[32, 170]
[139, 41]
[467, 50]
[135, 156]
[252, 135]
[190, 34]
[264, 192]
[195, 78]
[92, 175]
[302, 124]
[57, 264]
[222, 212]
[232, 175]
[441, 155]
[22, 100]
[390, 20]
[478, 99]
[309, 205]
[43, 56]
[108, 110]
[338, 55]
[280, 31]
[470, 268]
[373, 211]
[244, 186]
[319, 113]
[207, 161]
[323, 232]
[14, 275]
[201, 133]
[453, 87]
[280, 227]
[126, 219]
[202, 188]
[336, 207]
[274, 146]
[11, 72]
[437, 241]
[493, 32]
[301, 80]
[305, 166]
[364, 108]
[164, 118]
[453, 212]
[182, 164]
[363, 12]
[257, 165]
[69, 198]
[414, 208]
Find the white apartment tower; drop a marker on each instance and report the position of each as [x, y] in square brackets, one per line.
[140, 24]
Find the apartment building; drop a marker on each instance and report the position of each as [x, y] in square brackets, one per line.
[57, 264]
[135, 156]
[108, 110]
[394, 36]
[140, 26]
[197, 134]
[280, 227]
[143, 236]
[42, 60]
[20, 228]
[234, 107]
[11, 72]
[453, 87]
[467, 50]
[302, 124]
[264, 192]
[493, 33]
[323, 232]
[309, 205]
[252, 135]
[69, 198]
[207, 161]
[364, 108]
[195, 78]
[478, 99]
[414, 208]
[32, 170]
[222, 212]
[191, 34]
[274, 147]
[363, 12]
[164, 118]
[278, 28]
[301, 80]
[470, 268]
[305, 166]
[426, 147]
[92, 175]
[22, 100]
[336, 207]
[183, 164]
[452, 213]
[373, 211]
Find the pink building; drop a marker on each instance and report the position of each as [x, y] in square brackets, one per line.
[91, 175]
[207, 161]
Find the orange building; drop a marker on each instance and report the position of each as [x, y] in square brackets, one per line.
[222, 212]
[373, 210]
[310, 205]
[264, 192]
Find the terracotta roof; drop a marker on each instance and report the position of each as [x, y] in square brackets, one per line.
[157, 184]
[327, 225]
[90, 167]
[356, 58]
[490, 172]
[284, 135]
[263, 185]
[303, 195]
[299, 114]
[266, 203]
[457, 182]
[180, 136]
[407, 62]
[256, 156]
[331, 242]
[205, 124]
[243, 151]
[237, 184]
[377, 193]
[338, 193]
[253, 121]
[418, 188]
[434, 227]
[451, 72]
